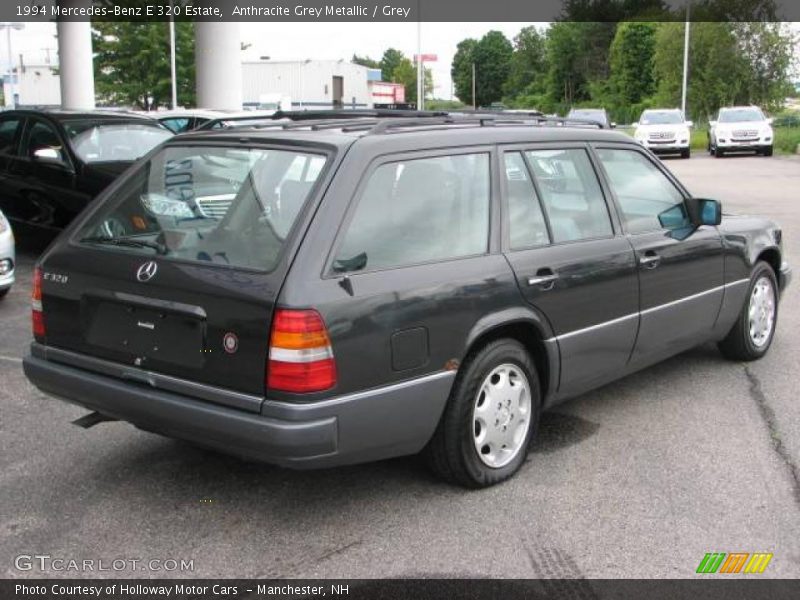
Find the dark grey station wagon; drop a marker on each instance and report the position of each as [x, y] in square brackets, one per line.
[325, 292]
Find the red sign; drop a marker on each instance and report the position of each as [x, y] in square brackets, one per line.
[426, 57]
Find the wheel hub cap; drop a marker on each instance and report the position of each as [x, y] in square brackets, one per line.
[501, 415]
[761, 312]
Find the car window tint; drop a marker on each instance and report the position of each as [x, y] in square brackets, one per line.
[418, 211]
[571, 194]
[527, 226]
[178, 124]
[647, 198]
[44, 140]
[8, 135]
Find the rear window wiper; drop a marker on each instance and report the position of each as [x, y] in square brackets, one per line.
[125, 241]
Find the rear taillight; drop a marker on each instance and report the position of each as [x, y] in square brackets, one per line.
[300, 353]
[37, 316]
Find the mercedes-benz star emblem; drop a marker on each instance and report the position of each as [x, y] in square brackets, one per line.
[147, 271]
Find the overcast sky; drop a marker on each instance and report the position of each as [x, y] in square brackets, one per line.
[323, 41]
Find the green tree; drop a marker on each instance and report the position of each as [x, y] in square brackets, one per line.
[365, 61]
[131, 63]
[729, 63]
[492, 56]
[461, 69]
[631, 58]
[528, 66]
[389, 62]
[406, 73]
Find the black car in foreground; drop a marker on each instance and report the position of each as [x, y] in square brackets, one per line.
[337, 291]
[52, 163]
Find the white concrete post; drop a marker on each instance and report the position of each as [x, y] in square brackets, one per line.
[75, 63]
[219, 65]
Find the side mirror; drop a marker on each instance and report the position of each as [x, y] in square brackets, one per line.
[770, 121]
[704, 211]
[47, 155]
[712, 123]
[635, 124]
[690, 123]
[613, 125]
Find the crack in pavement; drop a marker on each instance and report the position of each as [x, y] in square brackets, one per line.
[768, 415]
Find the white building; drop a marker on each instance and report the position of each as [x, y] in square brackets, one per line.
[36, 85]
[309, 84]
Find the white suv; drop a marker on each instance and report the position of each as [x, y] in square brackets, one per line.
[740, 128]
[664, 131]
[6, 256]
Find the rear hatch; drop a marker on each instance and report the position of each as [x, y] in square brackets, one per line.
[177, 271]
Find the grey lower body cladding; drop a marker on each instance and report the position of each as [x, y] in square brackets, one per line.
[394, 420]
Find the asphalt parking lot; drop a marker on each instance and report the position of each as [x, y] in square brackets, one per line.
[638, 479]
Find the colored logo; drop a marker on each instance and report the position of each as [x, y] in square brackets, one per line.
[735, 562]
[230, 342]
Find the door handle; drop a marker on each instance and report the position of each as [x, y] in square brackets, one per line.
[543, 280]
[650, 260]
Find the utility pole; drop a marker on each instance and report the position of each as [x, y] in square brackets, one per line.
[420, 70]
[685, 59]
[474, 106]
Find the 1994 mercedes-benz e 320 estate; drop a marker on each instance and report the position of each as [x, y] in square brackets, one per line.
[330, 291]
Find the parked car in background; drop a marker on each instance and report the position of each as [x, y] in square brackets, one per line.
[740, 129]
[664, 131]
[181, 121]
[598, 115]
[52, 163]
[387, 286]
[7, 256]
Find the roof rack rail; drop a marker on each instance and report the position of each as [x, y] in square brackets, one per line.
[354, 113]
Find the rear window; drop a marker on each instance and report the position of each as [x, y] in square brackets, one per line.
[113, 140]
[222, 205]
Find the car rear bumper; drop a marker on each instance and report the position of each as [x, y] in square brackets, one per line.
[390, 421]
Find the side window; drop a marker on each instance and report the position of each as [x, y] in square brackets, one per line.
[43, 142]
[571, 194]
[527, 227]
[8, 135]
[647, 198]
[418, 211]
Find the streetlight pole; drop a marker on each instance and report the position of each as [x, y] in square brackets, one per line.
[420, 76]
[685, 59]
[172, 62]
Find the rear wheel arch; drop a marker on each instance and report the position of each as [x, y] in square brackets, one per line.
[529, 331]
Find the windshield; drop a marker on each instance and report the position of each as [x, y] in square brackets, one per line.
[223, 205]
[661, 118]
[109, 141]
[598, 116]
[740, 115]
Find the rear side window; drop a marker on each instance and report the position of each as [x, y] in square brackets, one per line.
[224, 205]
[418, 211]
[571, 194]
[8, 135]
[527, 227]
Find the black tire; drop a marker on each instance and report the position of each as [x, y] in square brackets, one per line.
[738, 344]
[718, 152]
[686, 153]
[768, 151]
[4, 292]
[452, 452]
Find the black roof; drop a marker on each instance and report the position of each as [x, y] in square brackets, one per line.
[58, 114]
